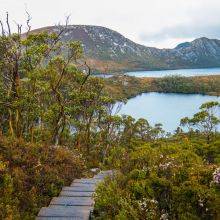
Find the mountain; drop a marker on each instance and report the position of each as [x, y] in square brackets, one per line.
[109, 51]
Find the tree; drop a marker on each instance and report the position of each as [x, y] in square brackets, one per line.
[34, 69]
[205, 120]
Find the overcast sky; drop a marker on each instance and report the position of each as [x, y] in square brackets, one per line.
[160, 23]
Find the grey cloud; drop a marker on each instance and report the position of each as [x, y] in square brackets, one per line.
[184, 31]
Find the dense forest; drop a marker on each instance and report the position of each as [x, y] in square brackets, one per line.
[56, 122]
[124, 87]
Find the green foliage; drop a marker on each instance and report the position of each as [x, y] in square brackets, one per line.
[205, 121]
[50, 114]
[114, 202]
[168, 181]
[30, 174]
[181, 84]
[161, 177]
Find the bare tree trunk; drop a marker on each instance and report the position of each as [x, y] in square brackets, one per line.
[10, 121]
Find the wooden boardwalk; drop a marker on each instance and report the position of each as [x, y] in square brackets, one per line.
[74, 202]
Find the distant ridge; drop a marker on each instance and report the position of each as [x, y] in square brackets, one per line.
[109, 51]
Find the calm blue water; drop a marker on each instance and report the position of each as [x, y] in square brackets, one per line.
[183, 72]
[164, 108]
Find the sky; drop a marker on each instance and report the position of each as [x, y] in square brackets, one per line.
[157, 23]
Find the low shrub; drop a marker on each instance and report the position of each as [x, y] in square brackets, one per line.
[30, 174]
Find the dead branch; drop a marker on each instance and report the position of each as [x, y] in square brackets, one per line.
[28, 22]
[8, 25]
[2, 27]
[19, 28]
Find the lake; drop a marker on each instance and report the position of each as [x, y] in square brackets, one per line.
[183, 72]
[165, 108]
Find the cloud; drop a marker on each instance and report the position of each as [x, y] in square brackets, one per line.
[200, 19]
[150, 22]
[184, 31]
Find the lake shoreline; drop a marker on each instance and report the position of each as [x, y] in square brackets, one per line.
[126, 87]
[165, 108]
[164, 72]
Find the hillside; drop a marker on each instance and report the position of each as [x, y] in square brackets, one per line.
[109, 51]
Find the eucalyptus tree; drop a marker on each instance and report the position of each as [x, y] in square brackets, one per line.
[45, 94]
[33, 70]
[205, 121]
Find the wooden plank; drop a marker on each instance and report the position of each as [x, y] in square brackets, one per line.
[105, 173]
[87, 181]
[81, 212]
[83, 184]
[79, 188]
[72, 201]
[76, 194]
[59, 218]
[78, 207]
[100, 176]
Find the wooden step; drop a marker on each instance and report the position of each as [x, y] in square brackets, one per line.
[83, 184]
[87, 181]
[76, 194]
[59, 218]
[100, 176]
[80, 212]
[78, 207]
[75, 202]
[79, 188]
[72, 201]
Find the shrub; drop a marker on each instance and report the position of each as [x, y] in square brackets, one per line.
[30, 174]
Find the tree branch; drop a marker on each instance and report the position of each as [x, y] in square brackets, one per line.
[28, 22]
[2, 27]
[7, 22]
